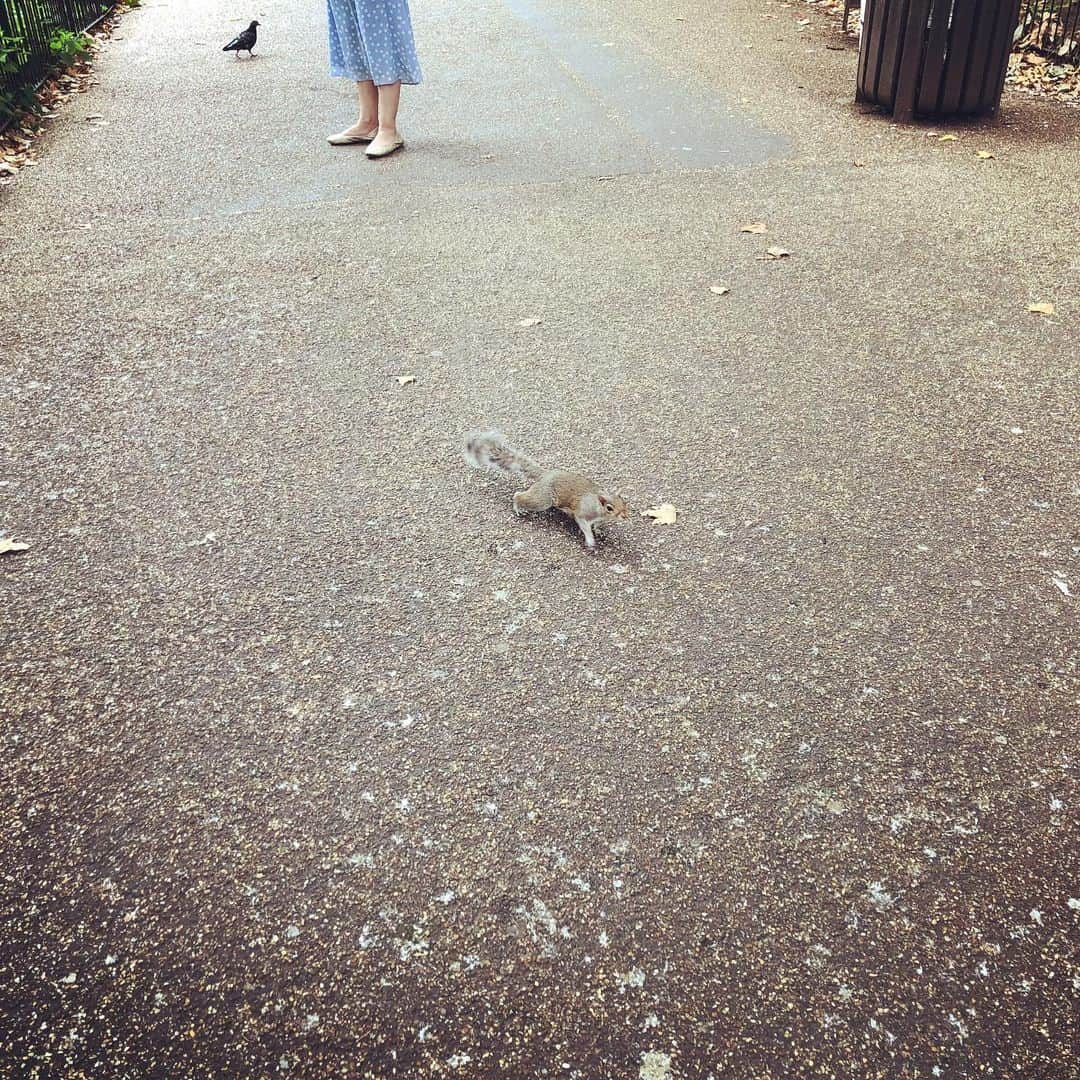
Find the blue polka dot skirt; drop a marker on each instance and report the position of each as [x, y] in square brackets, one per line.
[372, 39]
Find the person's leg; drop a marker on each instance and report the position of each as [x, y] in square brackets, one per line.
[368, 97]
[389, 99]
[367, 123]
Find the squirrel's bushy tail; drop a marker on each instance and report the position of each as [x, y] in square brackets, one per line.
[490, 450]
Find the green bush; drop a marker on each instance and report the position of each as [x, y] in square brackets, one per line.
[66, 47]
[13, 54]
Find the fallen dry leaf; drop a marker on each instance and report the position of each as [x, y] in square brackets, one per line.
[1062, 585]
[529, 322]
[404, 380]
[1034, 74]
[754, 227]
[775, 253]
[948, 138]
[720, 290]
[664, 514]
[859, 164]
[11, 545]
[985, 155]
[1041, 309]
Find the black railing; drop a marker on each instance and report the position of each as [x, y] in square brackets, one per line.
[1051, 27]
[34, 36]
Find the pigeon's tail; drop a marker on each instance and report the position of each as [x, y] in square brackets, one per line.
[232, 46]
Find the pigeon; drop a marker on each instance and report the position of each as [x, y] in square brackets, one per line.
[243, 41]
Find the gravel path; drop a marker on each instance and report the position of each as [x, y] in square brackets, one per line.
[316, 760]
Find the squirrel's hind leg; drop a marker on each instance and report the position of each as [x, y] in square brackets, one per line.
[537, 497]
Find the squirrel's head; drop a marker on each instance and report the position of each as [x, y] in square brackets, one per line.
[614, 507]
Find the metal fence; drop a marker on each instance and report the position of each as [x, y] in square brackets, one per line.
[31, 37]
[1051, 27]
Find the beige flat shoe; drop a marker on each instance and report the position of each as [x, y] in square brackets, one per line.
[346, 138]
[385, 151]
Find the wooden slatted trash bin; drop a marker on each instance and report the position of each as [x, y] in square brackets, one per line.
[935, 58]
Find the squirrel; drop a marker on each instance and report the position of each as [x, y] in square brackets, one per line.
[569, 492]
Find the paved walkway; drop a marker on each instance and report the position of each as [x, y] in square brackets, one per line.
[317, 760]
